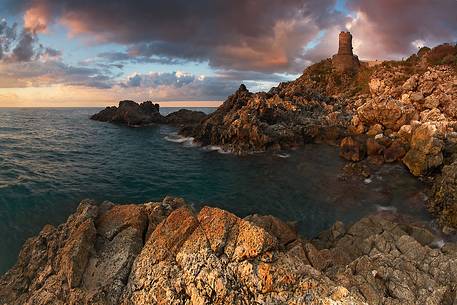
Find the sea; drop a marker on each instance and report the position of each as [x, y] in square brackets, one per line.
[51, 159]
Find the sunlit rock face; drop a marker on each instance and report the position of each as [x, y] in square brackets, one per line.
[166, 253]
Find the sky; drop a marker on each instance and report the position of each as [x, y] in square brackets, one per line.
[71, 53]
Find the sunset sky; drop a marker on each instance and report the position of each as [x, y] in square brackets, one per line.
[182, 52]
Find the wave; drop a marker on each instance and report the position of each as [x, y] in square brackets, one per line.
[382, 208]
[283, 155]
[219, 149]
[186, 141]
[438, 243]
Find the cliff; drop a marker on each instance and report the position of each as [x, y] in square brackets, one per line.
[166, 253]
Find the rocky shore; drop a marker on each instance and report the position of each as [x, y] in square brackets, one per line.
[166, 253]
[133, 114]
[395, 111]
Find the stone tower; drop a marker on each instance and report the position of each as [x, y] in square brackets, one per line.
[345, 44]
[345, 60]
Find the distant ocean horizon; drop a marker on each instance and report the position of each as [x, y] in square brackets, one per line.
[168, 104]
[52, 158]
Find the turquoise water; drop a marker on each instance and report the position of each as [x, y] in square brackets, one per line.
[50, 159]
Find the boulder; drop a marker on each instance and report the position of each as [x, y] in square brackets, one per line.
[351, 149]
[373, 147]
[390, 113]
[425, 153]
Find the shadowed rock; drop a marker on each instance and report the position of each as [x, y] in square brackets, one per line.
[147, 113]
[131, 114]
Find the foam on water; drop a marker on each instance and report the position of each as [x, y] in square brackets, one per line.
[283, 155]
[391, 209]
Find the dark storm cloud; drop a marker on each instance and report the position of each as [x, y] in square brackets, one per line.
[239, 34]
[266, 35]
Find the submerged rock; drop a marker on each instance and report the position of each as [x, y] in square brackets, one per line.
[352, 150]
[165, 253]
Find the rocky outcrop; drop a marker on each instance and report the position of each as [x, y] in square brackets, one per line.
[185, 116]
[147, 113]
[131, 114]
[284, 117]
[165, 253]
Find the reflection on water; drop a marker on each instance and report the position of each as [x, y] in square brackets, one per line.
[50, 159]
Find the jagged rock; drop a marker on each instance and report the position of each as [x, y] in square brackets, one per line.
[131, 113]
[249, 122]
[426, 150]
[134, 114]
[214, 257]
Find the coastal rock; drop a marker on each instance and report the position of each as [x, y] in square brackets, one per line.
[443, 202]
[283, 118]
[390, 113]
[184, 117]
[131, 114]
[351, 150]
[396, 151]
[147, 113]
[103, 255]
[426, 150]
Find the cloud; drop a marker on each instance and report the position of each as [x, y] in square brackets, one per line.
[184, 86]
[22, 47]
[41, 74]
[264, 35]
[391, 28]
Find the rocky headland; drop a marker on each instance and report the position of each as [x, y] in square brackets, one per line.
[167, 253]
[392, 111]
[133, 114]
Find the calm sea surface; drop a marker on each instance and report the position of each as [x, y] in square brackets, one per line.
[50, 159]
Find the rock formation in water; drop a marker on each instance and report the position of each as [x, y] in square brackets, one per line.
[134, 114]
[165, 253]
[393, 111]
